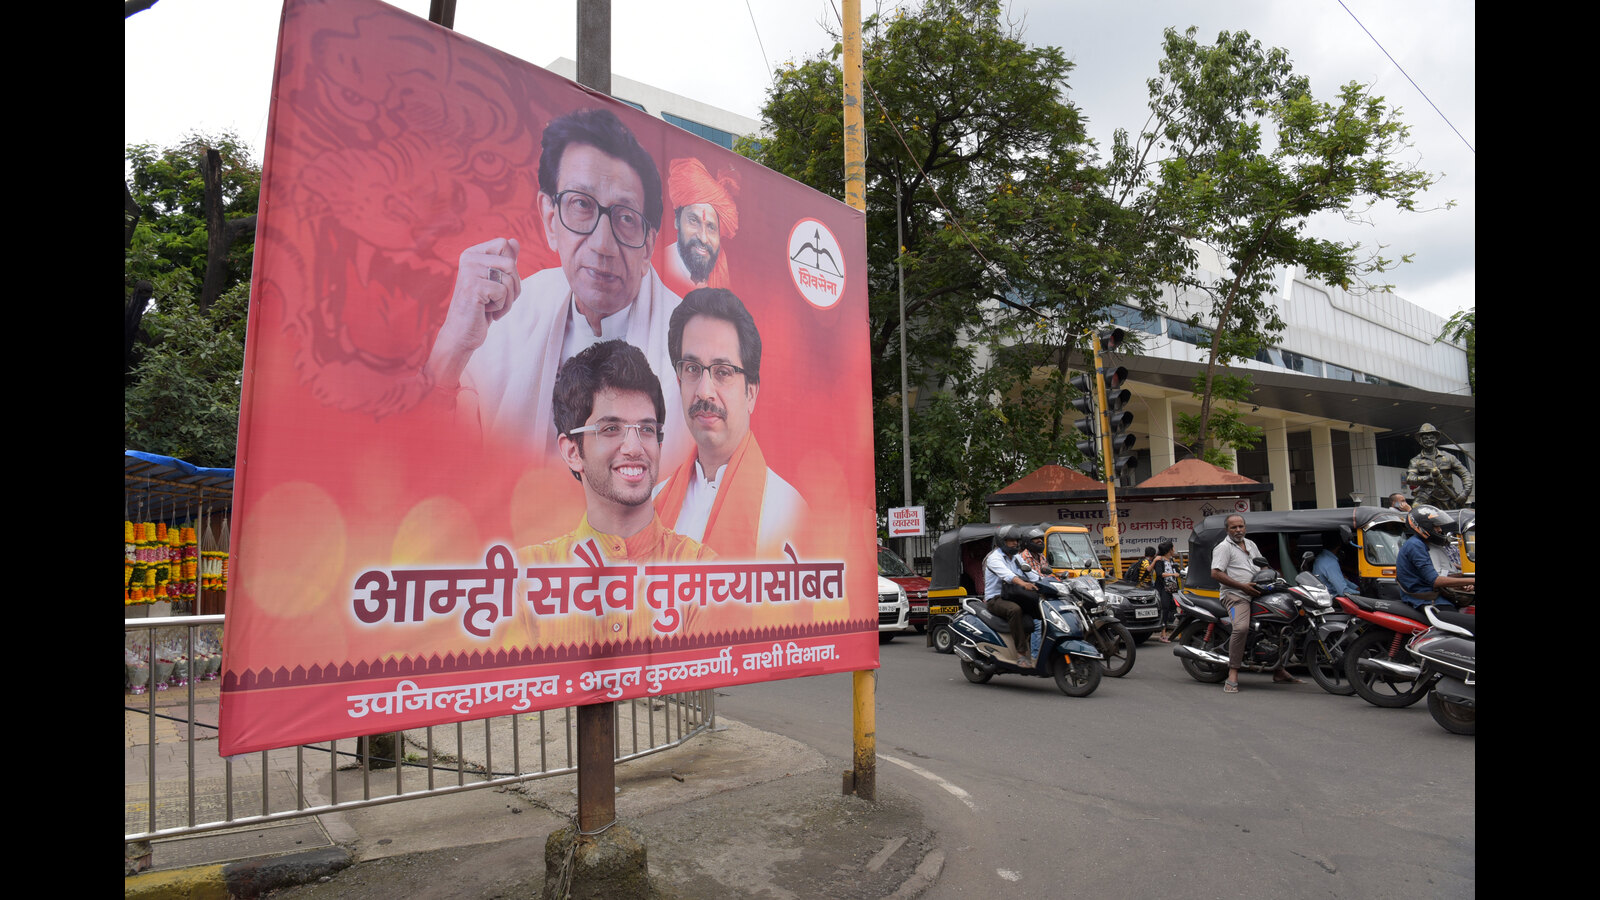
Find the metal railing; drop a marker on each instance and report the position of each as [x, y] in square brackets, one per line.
[177, 784]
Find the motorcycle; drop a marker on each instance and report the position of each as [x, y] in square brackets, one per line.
[1288, 624]
[1449, 662]
[1062, 651]
[1112, 638]
[1376, 662]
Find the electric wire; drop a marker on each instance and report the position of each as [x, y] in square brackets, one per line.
[1410, 79]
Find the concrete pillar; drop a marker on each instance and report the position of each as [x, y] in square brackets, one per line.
[1277, 434]
[1163, 453]
[1364, 467]
[1322, 467]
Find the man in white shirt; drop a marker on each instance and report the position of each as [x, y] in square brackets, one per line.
[503, 340]
[999, 575]
[724, 495]
[1233, 565]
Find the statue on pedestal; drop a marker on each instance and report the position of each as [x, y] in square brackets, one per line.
[1432, 473]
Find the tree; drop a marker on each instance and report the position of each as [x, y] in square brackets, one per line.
[189, 217]
[1463, 327]
[979, 159]
[184, 397]
[1251, 196]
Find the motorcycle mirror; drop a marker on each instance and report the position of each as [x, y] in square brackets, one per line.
[1306, 559]
[1261, 561]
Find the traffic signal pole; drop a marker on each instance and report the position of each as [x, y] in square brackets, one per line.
[864, 683]
[1111, 534]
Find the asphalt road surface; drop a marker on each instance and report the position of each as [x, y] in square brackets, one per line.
[1156, 785]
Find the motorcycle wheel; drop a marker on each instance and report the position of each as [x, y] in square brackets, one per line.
[1078, 679]
[1326, 663]
[1194, 635]
[1452, 717]
[1388, 691]
[976, 674]
[943, 641]
[1117, 643]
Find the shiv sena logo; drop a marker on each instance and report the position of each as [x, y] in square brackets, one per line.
[816, 263]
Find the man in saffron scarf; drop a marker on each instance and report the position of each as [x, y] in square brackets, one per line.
[724, 496]
[704, 214]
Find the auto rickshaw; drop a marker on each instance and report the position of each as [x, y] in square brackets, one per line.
[957, 574]
[1377, 533]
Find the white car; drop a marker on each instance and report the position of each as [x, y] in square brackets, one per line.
[894, 610]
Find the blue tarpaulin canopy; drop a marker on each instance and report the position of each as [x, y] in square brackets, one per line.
[161, 488]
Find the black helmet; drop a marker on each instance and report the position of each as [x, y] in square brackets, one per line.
[1006, 534]
[1033, 538]
[1432, 524]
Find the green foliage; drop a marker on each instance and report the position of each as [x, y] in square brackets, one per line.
[1241, 155]
[182, 370]
[1463, 327]
[184, 398]
[169, 243]
[970, 124]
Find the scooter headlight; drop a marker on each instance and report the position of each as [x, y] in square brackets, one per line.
[1054, 616]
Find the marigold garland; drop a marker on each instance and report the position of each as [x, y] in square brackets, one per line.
[161, 563]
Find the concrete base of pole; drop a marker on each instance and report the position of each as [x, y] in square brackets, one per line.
[611, 864]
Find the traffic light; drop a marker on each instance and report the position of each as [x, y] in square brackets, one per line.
[1119, 418]
[1084, 403]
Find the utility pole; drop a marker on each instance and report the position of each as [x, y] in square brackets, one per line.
[864, 774]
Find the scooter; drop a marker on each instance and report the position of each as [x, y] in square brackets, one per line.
[1449, 662]
[987, 648]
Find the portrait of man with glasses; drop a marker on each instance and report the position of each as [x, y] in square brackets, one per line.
[724, 495]
[611, 418]
[504, 338]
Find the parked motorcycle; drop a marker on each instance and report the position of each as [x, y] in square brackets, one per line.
[1063, 651]
[1112, 638]
[1288, 623]
[1376, 662]
[1449, 662]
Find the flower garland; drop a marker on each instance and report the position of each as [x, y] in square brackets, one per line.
[161, 563]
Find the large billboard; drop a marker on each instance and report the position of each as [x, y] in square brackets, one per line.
[546, 401]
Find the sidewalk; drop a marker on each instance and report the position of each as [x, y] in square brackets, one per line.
[736, 812]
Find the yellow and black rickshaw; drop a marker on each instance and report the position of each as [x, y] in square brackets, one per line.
[1369, 545]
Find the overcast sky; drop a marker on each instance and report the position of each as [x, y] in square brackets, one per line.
[205, 65]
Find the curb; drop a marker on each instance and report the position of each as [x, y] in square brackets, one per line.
[244, 879]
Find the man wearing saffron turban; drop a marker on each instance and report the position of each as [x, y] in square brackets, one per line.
[704, 214]
[724, 496]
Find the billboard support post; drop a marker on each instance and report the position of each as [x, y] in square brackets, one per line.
[597, 773]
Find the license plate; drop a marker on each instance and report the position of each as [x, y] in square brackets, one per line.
[1146, 613]
[921, 609]
[887, 607]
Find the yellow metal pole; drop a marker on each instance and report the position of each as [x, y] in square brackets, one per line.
[864, 684]
[1110, 535]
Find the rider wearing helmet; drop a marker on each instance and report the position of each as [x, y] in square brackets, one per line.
[1002, 585]
[1416, 570]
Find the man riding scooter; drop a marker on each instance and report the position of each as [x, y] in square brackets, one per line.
[1009, 594]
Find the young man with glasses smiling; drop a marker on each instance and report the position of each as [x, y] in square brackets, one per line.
[609, 410]
[724, 495]
[504, 338]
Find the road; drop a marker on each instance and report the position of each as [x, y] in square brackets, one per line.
[1154, 785]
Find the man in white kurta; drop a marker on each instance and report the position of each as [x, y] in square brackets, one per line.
[503, 339]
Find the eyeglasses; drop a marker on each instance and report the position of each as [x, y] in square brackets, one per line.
[581, 213]
[613, 431]
[721, 373]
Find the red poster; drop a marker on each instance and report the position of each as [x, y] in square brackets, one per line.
[546, 401]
